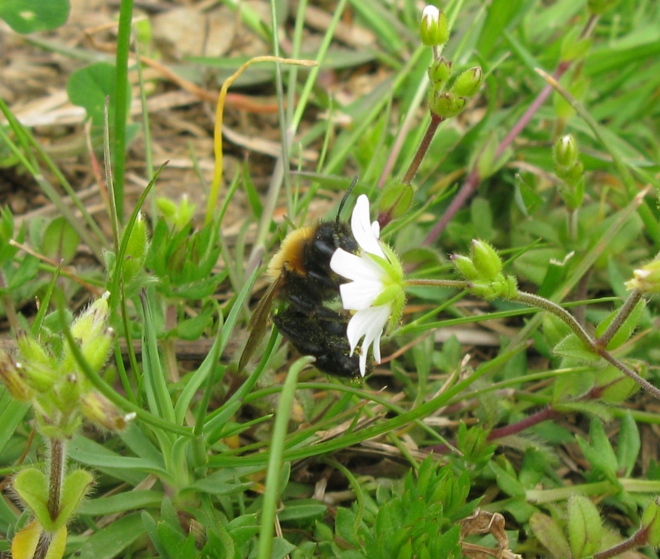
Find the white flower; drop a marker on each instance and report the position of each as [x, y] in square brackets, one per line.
[375, 292]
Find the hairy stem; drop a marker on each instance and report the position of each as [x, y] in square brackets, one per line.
[619, 319]
[56, 464]
[560, 312]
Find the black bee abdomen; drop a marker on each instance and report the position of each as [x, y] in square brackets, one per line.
[323, 337]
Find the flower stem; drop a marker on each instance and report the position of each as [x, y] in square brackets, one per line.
[619, 319]
[547, 305]
[422, 149]
[638, 539]
[56, 464]
[457, 284]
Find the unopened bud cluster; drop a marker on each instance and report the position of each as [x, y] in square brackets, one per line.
[446, 99]
[483, 269]
[53, 383]
[570, 170]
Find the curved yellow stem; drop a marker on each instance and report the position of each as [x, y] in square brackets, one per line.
[217, 133]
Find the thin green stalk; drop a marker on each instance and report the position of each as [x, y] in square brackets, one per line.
[272, 494]
[121, 108]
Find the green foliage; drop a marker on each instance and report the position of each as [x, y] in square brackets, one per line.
[28, 16]
[89, 88]
[183, 259]
[530, 400]
[415, 519]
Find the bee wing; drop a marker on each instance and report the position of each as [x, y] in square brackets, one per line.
[259, 321]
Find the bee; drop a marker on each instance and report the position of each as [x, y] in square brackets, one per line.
[302, 280]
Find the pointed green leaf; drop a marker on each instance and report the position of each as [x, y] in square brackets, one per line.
[75, 487]
[32, 487]
[572, 346]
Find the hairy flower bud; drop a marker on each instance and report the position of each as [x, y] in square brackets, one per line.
[445, 105]
[433, 28]
[468, 83]
[439, 72]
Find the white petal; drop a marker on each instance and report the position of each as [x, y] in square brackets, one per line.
[375, 229]
[354, 267]
[362, 229]
[431, 12]
[368, 324]
[358, 295]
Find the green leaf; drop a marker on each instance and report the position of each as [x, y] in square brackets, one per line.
[193, 328]
[75, 487]
[113, 539]
[28, 16]
[507, 482]
[572, 346]
[122, 502]
[550, 535]
[627, 327]
[345, 525]
[571, 386]
[175, 543]
[281, 548]
[60, 240]
[629, 444]
[32, 487]
[89, 87]
[599, 452]
[25, 272]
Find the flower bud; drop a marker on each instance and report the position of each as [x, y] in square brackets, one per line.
[39, 377]
[445, 105]
[96, 352]
[136, 249]
[433, 28]
[32, 352]
[98, 409]
[10, 374]
[651, 522]
[177, 216]
[468, 83]
[68, 393]
[92, 322]
[566, 159]
[646, 278]
[565, 152]
[395, 202]
[585, 529]
[486, 260]
[439, 72]
[502, 287]
[464, 266]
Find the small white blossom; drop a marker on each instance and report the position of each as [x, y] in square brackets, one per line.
[375, 292]
[430, 14]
